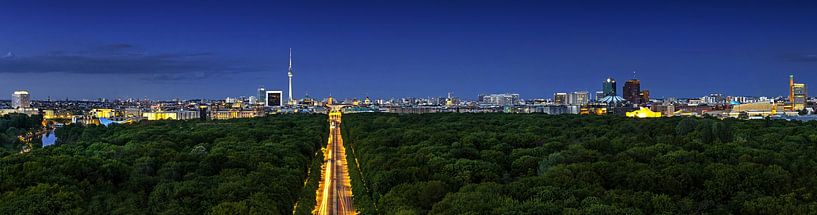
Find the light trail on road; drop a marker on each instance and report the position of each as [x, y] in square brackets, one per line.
[334, 194]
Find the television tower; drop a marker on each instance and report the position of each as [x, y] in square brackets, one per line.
[290, 77]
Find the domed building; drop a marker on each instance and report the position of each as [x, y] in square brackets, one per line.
[613, 100]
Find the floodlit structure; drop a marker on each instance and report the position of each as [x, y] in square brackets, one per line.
[20, 99]
[757, 109]
[560, 98]
[643, 113]
[797, 94]
[171, 115]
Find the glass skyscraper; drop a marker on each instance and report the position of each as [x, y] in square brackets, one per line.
[609, 87]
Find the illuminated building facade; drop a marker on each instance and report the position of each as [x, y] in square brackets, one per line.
[713, 98]
[203, 113]
[632, 91]
[54, 114]
[236, 114]
[643, 113]
[644, 96]
[103, 113]
[797, 94]
[262, 95]
[800, 96]
[501, 99]
[579, 98]
[609, 87]
[20, 99]
[171, 115]
[560, 98]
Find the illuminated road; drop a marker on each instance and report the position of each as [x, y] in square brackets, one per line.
[334, 194]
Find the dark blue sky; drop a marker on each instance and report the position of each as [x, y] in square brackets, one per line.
[214, 49]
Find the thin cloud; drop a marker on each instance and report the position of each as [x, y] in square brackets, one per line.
[803, 58]
[124, 59]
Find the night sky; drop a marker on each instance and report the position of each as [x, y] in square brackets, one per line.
[385, 49]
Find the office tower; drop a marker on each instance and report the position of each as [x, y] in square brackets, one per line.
[274, 98]
[798, 94]
[578, 98]
[632, 89]
[203, 113]
[291, 102]
[20, 99]
[262, 95]
[560, 98]
[644, 96]
[609, 87]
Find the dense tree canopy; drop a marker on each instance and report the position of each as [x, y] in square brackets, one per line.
[12, 125]
[167, 167]
[541, 164]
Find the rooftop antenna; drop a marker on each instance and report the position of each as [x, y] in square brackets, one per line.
[633, 74]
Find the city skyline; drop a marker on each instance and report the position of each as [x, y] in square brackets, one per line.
[609, 84]
[88, 49]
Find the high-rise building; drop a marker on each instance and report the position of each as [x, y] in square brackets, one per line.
[290, 101]
[560, 98]
[262, 95]
[578, 98]
[644, 96]
[274, 98]
[20, 99]
[203, 113]
[713, 99]
[631, 91]
[609, 87]
[797, 94]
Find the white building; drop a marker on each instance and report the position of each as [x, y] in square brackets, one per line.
[20, 99]
[501, 99]
[578, 98]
